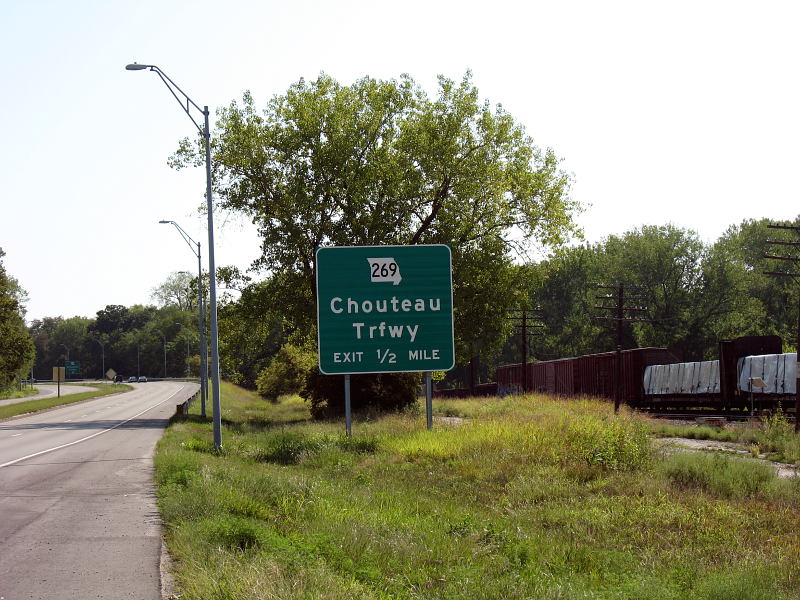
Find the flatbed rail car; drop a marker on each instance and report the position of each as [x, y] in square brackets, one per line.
[589, 375]
[768, 380]
[707, 384]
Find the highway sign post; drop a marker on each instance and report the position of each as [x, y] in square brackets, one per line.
[384, 309]
[58, 377]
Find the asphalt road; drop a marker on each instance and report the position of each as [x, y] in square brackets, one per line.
[77, 505]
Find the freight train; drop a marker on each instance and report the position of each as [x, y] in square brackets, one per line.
[750, 373]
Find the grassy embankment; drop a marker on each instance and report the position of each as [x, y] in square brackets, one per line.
[529, 498]
[20, 408]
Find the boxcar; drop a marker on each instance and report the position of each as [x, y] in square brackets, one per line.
[589, 375]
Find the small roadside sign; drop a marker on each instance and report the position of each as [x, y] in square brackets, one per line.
[59, 376]
[111, 373]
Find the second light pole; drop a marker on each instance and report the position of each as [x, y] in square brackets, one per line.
[201, 322]
[205, 131]
[163, 337]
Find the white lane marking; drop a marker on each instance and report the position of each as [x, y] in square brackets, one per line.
[88, 437]
[16, 435]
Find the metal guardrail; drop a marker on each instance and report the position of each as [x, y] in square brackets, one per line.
[95, 380]
[183, 407]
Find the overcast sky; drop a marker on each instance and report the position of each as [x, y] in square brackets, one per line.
[680, 112]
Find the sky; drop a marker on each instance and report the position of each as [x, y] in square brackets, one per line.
[663, 112]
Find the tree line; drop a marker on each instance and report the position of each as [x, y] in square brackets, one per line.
[128, 340]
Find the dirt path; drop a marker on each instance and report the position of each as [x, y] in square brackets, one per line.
[782, 470]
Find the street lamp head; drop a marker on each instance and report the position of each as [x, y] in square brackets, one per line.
[166, 222]
[136, 67]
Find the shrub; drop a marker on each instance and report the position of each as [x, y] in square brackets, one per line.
[382, 392]
[616, 445]
[286, 372]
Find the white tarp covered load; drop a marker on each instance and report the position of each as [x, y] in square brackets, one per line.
[777, 371]
[682, 378]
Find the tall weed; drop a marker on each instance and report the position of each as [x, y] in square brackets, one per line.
[613, 444]
[719, 475]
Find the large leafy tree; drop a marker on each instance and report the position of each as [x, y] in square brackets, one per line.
[772, 300]
[176, 291]
[665, 262]
[563, 287]
[379, 162]
[16, 345]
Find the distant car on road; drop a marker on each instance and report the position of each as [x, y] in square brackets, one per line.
[132, 379]
[117, 378]
[142, 379]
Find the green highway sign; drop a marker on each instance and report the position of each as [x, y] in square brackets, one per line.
[385, 309]
[73, 367]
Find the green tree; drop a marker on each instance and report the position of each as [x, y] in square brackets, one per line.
[379, 162]
[251, 330]
[665, 262]
[176, 291]
[16, 346]
[564, 287]
[772, 300]
[43, 331]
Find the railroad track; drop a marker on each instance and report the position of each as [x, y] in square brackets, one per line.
[731, 415]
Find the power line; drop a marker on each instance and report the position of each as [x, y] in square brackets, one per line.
[621, 314]
[793, 275]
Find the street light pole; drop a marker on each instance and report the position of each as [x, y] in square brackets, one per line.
[201, 315]
[67, 358]
[187, 350]
[163, 337]
[103, 354]
[205, 131]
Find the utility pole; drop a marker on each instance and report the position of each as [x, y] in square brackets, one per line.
[622, 314]
[524, 320]
[794, 275]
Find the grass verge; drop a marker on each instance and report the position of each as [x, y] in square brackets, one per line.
[23, 393]
[20, 408]
[528, 498]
